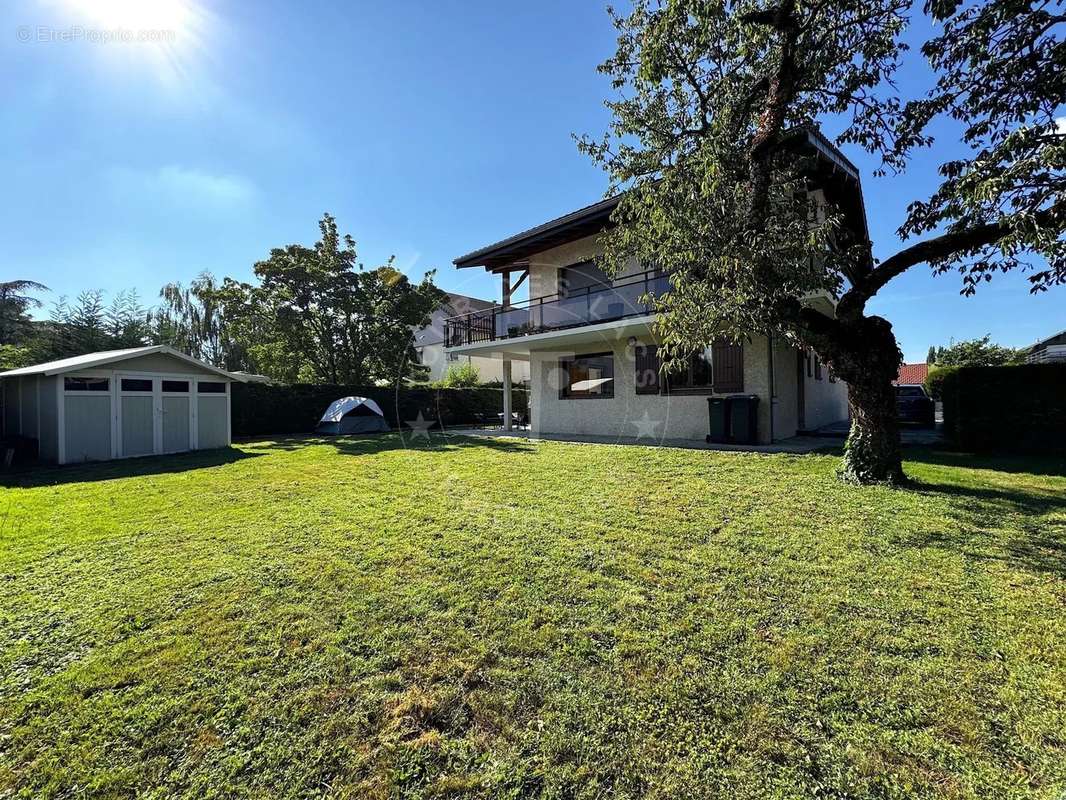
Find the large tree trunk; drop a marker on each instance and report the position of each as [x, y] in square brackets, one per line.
[864, 353]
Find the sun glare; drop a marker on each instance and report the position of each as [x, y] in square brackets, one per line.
[171, 15]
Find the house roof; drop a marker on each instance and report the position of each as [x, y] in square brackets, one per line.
[838, 175]
[912, 373]
[1058, 338]
[105, 357]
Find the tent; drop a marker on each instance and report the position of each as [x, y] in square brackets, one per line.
[352, 415]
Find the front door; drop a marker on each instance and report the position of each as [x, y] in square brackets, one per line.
[154, 415]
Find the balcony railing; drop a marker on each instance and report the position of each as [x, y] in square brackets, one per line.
[588, 306]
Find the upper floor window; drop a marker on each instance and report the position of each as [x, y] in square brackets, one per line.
[587, 376]
[581, 277]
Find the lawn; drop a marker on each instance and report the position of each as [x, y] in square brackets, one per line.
[355, 618]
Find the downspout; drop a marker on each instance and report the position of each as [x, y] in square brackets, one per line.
[773, 388]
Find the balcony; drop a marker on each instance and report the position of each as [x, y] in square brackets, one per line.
[588, 306]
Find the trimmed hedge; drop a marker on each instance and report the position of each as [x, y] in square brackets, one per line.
[260, 409]
[1016, 408]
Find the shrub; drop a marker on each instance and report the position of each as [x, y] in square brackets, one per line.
[261, 409]
[934, 381]
[1012, 408]
[461, 376]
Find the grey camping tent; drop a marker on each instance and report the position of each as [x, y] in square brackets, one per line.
[352, 415]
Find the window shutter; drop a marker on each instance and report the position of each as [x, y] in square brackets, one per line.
[727, 360]
[647, 369]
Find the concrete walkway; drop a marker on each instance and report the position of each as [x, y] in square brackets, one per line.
[797, 444]
[828, 437]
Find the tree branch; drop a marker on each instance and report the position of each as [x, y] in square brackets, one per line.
[935, 249]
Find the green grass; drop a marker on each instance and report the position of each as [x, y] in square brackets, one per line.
[497, 619]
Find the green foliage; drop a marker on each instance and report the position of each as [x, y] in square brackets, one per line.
[1006, 409]
[318, 314]
[354, 618]
[15, 303]
[934, 381]
[977, 353]
[13, 356]
[930, 357]
[260, 409]
[191, 320]
[459, 375]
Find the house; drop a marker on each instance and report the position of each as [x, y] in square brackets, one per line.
[590, 343]
[1051, 349]
[429, 343]
[117, 404]
[911, 374]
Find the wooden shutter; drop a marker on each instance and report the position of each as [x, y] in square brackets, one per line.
[647, 369]
[727, 360]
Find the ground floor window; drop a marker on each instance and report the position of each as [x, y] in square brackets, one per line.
[86, 384]
[587, 376]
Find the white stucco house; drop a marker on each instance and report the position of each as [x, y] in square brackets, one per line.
[429, 343]
[590, 346]
[117, 404]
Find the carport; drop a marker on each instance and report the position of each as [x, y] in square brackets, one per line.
[118, 404]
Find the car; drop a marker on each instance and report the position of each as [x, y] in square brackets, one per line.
[914, 405]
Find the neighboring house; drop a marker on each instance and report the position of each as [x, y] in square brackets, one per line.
[117, 404]
[429, 343]
[592, 352]
[911, 374]
[1050, 349]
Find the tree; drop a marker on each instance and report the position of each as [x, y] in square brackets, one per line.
[930, 357]
[87, 322]
[15, 323]
[127, 321]
[977, 353]
[703, 140]
[317, 314]
[192, 320]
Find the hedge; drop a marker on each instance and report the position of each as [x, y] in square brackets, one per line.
[1016, 408]
[260, 409]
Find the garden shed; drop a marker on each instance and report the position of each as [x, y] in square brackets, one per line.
[118, 404]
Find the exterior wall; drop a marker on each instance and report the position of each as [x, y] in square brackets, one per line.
[161, 362]
[675, 416]
[28, 388]
[12, 402]
[489, 369]
[87, 427]
[48, 442]
[544, 267]
[212, 421]
[826, 401]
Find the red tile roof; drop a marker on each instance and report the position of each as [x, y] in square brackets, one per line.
[912, 373]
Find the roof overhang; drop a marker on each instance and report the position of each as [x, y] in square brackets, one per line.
[105, 358]
[833, 173]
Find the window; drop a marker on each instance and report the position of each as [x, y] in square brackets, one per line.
[136, 384]
[817, 368]
[807, 360]
[210, 387]
[646, 374]
[175, 386]
[87, 384]
[588, 376]
[696, 373]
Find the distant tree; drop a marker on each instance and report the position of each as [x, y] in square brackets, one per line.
[127, 321]
[317, 314]
[978, 353]
[709, 97]
[88, 322]
[191, 319]
[930, 358]
[15, 302]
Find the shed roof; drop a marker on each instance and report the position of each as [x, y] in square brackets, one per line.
[105, 357]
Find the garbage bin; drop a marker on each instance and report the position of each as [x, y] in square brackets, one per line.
[718, 409]
[743, 419]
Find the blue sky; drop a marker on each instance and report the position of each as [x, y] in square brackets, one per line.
[427, 128]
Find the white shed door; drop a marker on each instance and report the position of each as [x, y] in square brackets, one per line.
[155, 414]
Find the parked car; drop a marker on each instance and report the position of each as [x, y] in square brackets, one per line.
[914, 405]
